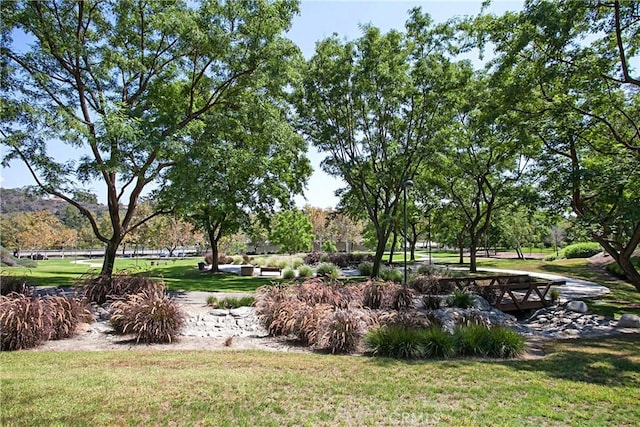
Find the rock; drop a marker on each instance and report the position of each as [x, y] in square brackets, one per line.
[219, 312]
[577, 306]
[481, 303]
[629, 321]
[241, 311]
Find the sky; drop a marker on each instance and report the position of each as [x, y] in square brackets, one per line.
[319, 19]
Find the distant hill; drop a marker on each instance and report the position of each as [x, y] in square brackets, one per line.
[14, 200]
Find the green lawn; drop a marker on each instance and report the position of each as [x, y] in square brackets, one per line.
[179, 274]
[579, 383]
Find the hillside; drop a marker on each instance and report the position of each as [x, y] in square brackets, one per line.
[14, 200]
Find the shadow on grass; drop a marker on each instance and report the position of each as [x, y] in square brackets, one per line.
[187, 278]
[611, 361]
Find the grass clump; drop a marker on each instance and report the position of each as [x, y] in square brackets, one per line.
[289, 274]
[99, 289]
[341, 332]
[326, 269]
[305, 271]
[390, 274]
[460, 299]
[230, 302]
[150, 314]
[407, 342]
[21, 285]
[28, 321]
[365, 268]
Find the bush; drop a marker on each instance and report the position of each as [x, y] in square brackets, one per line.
[26, 321]
[402, 298]
[460, 299]
[315, 291]
[289, 274]
[391, 274]
[505, 343]
[372, 295]
[305, 271]
[396, 341]
[410, 319]
[312, 258]
[365, 268]
[329, 246]
[345, 260]
[23, 323]
[151, 315]
[431, 302]
[582, 250]
[99, 289]
[21, 285]
[230, 302]
[341, 332]
[438, 343]
[473, 340]
[327, 269]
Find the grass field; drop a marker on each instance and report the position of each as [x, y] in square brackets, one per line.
[586, 383]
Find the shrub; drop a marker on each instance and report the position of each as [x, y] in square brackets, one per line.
[64, 316]
[27, 263]
[372, 295]
[329, 246]
[344, 260]
[151, 315]
[315, 291]
[460, 299]
[431, 302]
[230, 302]
[7, 259]
[473, 340]
[289, 274]
[396, 341]
[365, 268]
[21, 285]
[582, 250]
[410, 319]
[341, 332]
[391, 274]
[402, 298]
[22, 322]
[297, 263]
[438, 343]
[425, 284]
[27, 321]
[268, 301]
[312, 258]
[99, 289]
[327, 269]
[305, 271]
[505, 343]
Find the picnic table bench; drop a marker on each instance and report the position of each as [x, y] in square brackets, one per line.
[270, 270]
[507, 292]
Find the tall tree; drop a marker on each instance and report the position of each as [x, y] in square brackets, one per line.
[245, 160]
[568, 69]
[485, 162]
[375, 107]
[123, 82]
[292, 230]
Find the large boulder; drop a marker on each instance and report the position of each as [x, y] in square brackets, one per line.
[629, 321]
[577, 306]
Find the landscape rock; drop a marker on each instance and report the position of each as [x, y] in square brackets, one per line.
[629, 321]
[577, 306]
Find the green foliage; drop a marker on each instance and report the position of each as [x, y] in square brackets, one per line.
[582, 250]
[230, 302]
[505, 343]
[305, 271]
[292, 230]
[289, 274]
[326, 269]
[391, 274]
[460, 299]
[365, 268]
[150, 315]
[615, 268]
[329, 246]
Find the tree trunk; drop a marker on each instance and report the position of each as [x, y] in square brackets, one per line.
[633, 276]
[110, 253]
[393, 247]
[473, 268]
[377, 259]
[214, 253]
